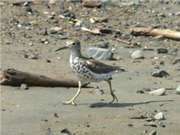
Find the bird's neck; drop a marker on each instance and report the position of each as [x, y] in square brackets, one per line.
[74, 54]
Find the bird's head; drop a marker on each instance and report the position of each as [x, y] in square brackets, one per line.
[74, 44]
[75, 47]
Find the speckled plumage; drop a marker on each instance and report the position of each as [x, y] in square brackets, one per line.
[89, 70]
[83, 69]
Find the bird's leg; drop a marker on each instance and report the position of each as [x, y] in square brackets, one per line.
[71, 101]
[111, 91]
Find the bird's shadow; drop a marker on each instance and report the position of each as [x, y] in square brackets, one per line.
[116, 105]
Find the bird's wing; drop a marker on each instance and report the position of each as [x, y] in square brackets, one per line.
[100, 68]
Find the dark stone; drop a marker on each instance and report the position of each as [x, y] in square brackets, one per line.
[176, 61]
[56, 115]
[66, 131]
[130, 125]
[162, 50]
[140, 91]
[160, 73]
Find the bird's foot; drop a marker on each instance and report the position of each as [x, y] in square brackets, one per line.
[114, 98]
[69, 102]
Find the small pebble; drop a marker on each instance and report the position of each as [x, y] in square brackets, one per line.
[65, 131]
[159, 116]
[162, 50]
[138, 54]
[130, 125]
[48, 61]
[56, 115]
[178, 90]
[24, 86]
[3, 110]
[99, 91]
[140, 91]
[176, 61]
[160, 73]
[55, 30]
[161, 124]
[44, 40]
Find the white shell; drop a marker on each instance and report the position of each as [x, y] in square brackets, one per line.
[158, 92]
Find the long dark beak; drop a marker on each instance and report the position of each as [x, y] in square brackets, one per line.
[62, 48]
[68, 45]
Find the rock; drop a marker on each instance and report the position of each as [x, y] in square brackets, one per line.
[173, 51]
[154, 132]
[92, 3]
[1, 3]
[24, 86]
[44, 40]
[178, 90]
[99, 53]
[138, 54]
[55, 30]
[159, 116]
[73, 1]
[56, 115]
[98, 19]
[65, 131]
[130, 125]
[162, 50]
[160, 73]
[142, 91]
[176, 61]
[31, 56]
[99, 91]
[52, 1]
[161, 124]
[158, 92]
[48, 61]
[177, 13]
[78, 23]
[68, 15]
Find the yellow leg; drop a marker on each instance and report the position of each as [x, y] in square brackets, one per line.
[71, 101]
[111, 92]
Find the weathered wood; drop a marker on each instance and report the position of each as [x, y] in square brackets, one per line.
[14, 77]
[164, 33]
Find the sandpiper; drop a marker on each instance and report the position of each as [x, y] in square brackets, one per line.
[89, 70]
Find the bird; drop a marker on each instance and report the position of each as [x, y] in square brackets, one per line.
[89, 70]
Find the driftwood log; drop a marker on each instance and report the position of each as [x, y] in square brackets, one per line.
[164, 33]
[14, 77]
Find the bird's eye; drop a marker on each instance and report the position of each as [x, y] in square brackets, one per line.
[73, 44]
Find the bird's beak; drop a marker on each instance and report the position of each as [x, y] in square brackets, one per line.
[66, 46]
[61, 48]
